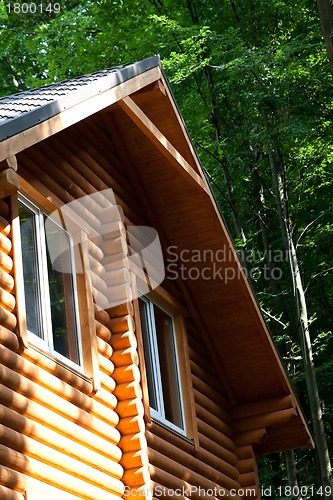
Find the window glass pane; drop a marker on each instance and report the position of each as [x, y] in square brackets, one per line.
[31, 275]
[168, 365]
[149, 355]
[62, 298]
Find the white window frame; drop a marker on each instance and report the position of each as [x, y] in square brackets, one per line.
[46, 344]
[159, 414]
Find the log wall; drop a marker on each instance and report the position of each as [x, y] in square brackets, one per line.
[58, 434]
[210, 467]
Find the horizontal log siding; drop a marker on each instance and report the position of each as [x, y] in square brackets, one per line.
[247, 466]
[57, 436]
[178, 464]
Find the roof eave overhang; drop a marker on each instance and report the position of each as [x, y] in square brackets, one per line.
[32, 127]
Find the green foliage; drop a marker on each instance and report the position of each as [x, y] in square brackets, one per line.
[250, 77]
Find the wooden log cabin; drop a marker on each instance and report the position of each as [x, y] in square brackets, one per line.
[103, 394]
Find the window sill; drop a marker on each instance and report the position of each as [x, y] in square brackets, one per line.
[59, 369]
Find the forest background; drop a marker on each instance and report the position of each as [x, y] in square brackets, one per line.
[253, 80]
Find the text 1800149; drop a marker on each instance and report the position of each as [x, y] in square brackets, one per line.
[33, 8]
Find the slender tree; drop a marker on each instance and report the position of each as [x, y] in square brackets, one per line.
[292, 474]
[281, 196]
[325, 9]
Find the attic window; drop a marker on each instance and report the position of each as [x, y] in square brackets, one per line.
[162, 368]
[50, 296]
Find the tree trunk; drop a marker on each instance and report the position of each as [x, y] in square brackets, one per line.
[223, 162]
[303, 326]
[325, 9]
[272, 277]
[311, 381]
[292, 474]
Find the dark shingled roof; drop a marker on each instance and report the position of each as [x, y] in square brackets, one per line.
[21, 111]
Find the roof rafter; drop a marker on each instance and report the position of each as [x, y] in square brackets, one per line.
[161, 142]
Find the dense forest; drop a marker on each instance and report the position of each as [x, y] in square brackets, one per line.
[253, 80]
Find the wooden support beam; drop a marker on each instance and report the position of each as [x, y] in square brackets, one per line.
[31, 488]
[104, 397]
[4, 226]
[121, 310]
[7, 300]
[105, 364]
[161, 142]
[245, 465]
[127, 374]
[267, 405]
[250, 437]
[274, 418]
[247, 479]
[165, 482]
[38, 492]
[5, 243]
[7, 319]
[6, 281]
[107, 382]
[50, 365]
[214, 408]
[244, 452]
[6, 262]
